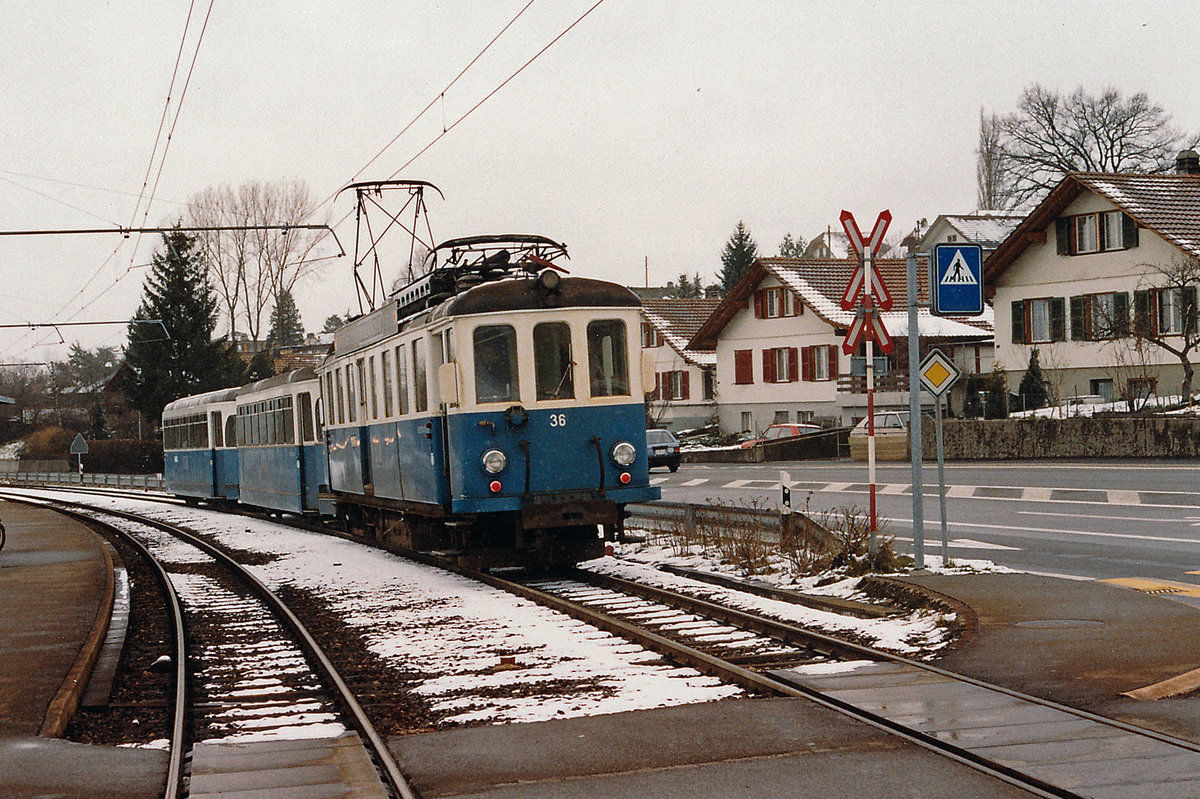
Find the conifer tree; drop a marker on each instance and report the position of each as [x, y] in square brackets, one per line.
[1033, 385]
[740, 251]
[286, 327]
[178, 357]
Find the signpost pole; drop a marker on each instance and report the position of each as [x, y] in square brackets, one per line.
[942, 485]
[914, 415]
[869, 309]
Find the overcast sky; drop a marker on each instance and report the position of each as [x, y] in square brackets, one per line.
[642, 136]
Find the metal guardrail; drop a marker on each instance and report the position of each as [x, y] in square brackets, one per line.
[771, 523]
[142, 481]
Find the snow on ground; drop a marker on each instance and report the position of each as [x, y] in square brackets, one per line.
[454, 630]
[916, 631]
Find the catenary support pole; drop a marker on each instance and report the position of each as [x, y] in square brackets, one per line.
[914, 414]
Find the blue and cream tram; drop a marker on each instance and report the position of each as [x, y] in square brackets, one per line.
[281, 454]
[499, 416]
[200, 457]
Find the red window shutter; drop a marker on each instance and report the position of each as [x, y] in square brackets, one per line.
[806, 364]
[768, 366]
[657, 386]
[793, 365]
[743, 367]
[684, 393]
[797, 306]
[760, 304]
[833, 362]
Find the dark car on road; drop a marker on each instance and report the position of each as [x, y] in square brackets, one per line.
[663, 448]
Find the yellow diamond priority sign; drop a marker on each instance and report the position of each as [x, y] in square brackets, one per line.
[938, 373]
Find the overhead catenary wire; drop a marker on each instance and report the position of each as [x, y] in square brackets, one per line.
[150, 164]
[175, 121]
[446, 129]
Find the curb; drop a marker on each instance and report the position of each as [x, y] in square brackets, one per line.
[70, 693]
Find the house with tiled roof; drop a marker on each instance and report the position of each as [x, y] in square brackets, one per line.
[684, 384]
[1081, 280]
[777, 342]
[988, 229]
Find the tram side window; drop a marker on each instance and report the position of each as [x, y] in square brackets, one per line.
[608, 359]
[374, 392]
[420, 389]
[341, 406]
[495, 363]
[306, 416]
[385, 372]
[351, 411]
[287, 421]
[362, 389]
[552, 361]
[231, 430]
[402, 379]
[217, 430]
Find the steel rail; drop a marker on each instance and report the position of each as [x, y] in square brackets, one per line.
[822, 642]
[174, 781]
[391, 771]
[765, 683]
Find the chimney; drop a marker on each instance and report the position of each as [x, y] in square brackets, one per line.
[1187, 163]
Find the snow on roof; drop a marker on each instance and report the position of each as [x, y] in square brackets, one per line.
[813, 281]
[678, 319]
[987, 229]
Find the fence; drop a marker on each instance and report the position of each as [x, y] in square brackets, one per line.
[772, 523]
[142, 481]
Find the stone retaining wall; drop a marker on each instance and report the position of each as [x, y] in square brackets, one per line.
[1075, 437]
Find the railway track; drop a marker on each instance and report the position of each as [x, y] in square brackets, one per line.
[1046, 748]
[258, 706]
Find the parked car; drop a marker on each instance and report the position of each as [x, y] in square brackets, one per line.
[891, 437]
[663, 449]
[780, 431]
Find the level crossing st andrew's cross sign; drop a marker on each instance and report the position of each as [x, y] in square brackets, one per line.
[866, 284]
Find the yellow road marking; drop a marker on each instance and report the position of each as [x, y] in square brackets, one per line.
[1156, 586]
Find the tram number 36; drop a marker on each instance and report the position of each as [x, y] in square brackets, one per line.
[558, 420]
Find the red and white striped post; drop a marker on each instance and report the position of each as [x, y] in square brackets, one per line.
[866, 281]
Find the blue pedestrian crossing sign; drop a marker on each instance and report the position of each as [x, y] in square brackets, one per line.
[957, 285]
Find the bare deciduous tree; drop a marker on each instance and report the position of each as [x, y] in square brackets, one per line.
[1051, 135]
[991, 179]
[1165, 312]
[252, 267]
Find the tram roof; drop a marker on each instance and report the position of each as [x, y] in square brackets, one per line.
[520, 294]
[300, 375]
[208, 398]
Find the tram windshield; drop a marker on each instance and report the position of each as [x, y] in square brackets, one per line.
[495, 364]
[608, 360]
[552, 361]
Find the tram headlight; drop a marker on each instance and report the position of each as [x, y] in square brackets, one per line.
[494, 461]
[623, 453]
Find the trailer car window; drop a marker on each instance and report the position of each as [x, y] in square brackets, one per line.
[552, 361]
[608, 361]
[306, 416]
[231, 438]
[495, 363]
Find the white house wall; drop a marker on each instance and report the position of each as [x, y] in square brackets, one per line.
[799, 399]
[680, 414]
[1041, 272]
